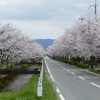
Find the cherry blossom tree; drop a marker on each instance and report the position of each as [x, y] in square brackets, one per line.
[14, 46]
[82, 40]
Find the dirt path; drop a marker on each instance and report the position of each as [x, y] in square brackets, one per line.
[18, 82]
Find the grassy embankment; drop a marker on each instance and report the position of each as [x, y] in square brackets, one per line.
[29, 91]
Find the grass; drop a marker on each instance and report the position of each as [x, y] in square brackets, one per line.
[39, 67]
[97, 66]
[29, 91]
[95, 71]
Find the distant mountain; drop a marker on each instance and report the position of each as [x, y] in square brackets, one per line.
[45, 42]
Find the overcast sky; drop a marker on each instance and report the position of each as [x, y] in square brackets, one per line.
[41, 19]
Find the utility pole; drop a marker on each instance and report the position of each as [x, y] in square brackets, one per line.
[81, 18]
[95, 7]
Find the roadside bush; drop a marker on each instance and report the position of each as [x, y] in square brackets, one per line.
[80, 65]
[95, 71]
[98, 71]
[66, 61]
[86, 65]
[72, 62]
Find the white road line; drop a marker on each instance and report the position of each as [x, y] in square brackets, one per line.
[55, 63]
[95, 84]
[58, 90]
[73, 73]
[47, 67]
[81, 78]
[67, 70]
[49, 72]
[58, 65]
[52, 78]
[63, 68]
[61, 96]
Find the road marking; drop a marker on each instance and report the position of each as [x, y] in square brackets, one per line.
[67, 70]
[58, 90]
[52, 78]
[47, 67]
[61, 96]
[81, 78]
[73, 73]
[56, 63]
[49, 72]
[63, 68]
[95, 84]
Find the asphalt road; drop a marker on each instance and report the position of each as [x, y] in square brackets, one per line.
[73, 83]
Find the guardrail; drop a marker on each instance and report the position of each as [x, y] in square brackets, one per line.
[40, 88]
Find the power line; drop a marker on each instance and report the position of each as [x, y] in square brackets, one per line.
[95, 7]
[90, 11]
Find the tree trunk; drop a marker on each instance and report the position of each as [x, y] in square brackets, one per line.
[95, 61]
[83, 60]
[91, 62]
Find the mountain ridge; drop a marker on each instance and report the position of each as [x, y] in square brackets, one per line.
[45, 42]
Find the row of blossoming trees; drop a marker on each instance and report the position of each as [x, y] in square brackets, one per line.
[16, 47]
[80, 41]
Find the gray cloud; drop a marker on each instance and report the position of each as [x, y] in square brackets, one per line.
[38, 10]
[42, 18]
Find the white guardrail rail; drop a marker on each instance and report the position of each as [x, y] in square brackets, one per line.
[40, 88]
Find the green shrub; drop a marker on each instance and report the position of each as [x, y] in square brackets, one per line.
[86, 65]
[65, 61]
[95, 71]
[72, 62]
[98, 71]
[61, 60]
[80, 65]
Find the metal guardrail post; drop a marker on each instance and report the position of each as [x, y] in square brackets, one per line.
[40, 88]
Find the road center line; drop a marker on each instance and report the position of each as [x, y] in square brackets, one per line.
[95, 84]
[81, 78]
[56, 63]
[67, 70]
[73, 73]
[63, 68]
